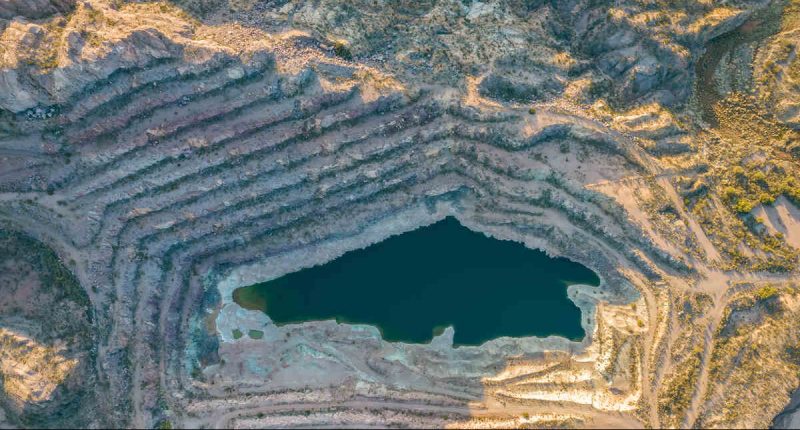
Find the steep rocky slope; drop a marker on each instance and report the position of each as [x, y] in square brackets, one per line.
[170, 152]
[46, 357]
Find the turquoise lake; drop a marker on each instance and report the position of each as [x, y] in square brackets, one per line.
[413, 285]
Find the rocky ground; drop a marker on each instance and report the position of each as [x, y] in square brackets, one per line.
[170, 152]
[46, 357]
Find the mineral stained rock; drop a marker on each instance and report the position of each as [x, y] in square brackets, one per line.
[157, 155]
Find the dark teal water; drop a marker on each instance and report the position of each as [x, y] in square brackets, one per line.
[417, 283]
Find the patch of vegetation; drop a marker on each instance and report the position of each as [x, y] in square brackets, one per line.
[759, 182]
[766, 292]
[342, 51]
[675, 398]
[237, 334]
[754, 357]
[255, 334]
[748, 166]
[55, 277]
[501, 88]
[59, 313]
[199, 8]
[44, 52]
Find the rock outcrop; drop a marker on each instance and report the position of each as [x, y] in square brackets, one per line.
[175, 151]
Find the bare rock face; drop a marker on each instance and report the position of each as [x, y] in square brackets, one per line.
[50, 65]
[171, 152]
[526, 49]
[34, 9]
[46, 337]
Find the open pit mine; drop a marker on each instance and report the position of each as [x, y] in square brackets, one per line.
[160, 159]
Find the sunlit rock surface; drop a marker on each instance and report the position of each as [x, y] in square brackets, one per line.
[170, 152]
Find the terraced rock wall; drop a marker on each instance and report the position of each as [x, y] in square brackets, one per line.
[171, 154]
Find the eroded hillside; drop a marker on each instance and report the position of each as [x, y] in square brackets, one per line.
[171, 152]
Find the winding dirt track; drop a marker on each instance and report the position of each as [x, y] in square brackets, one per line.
[600, 420]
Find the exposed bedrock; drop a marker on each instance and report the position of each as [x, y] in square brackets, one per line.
[47, 338]
[34, 9]
[174, 154]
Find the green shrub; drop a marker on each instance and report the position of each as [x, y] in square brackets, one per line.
[758, 177]
[731, 193]
[766, 292]
[342, 51]
[743, 206]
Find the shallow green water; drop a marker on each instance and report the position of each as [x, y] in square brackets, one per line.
[417, 283]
